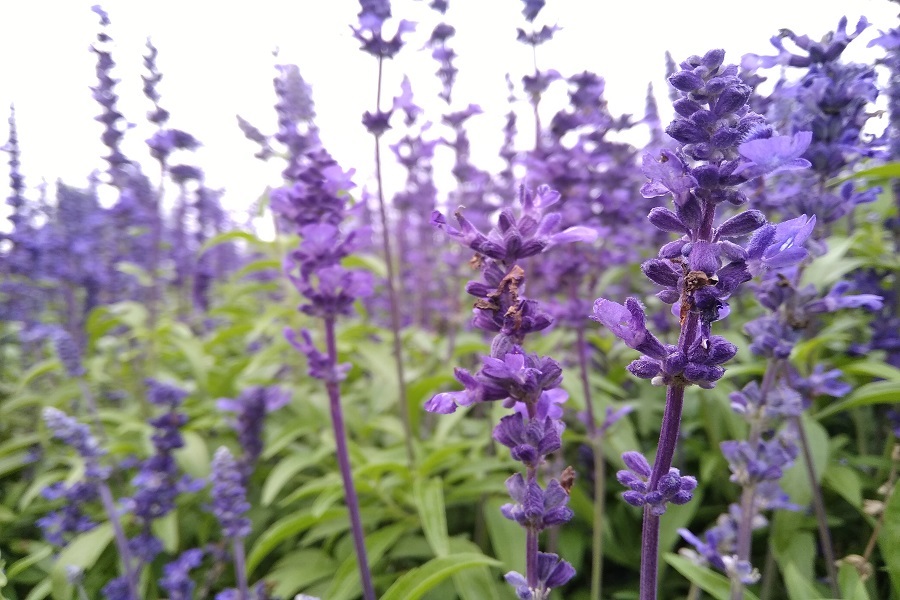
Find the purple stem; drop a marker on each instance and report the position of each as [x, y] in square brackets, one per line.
[531, 544]
[668, 437]
[240, 567]
[392, 292]
[343, 456]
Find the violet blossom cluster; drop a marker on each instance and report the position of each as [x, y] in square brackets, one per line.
[250, 410]
[598, 180]
[832, 100]
[722, 144]
[527, 382]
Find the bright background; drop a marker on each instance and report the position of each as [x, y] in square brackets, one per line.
[216, 59]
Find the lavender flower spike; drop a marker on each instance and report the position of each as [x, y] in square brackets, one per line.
[229, 506]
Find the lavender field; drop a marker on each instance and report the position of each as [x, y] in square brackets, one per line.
[633, 356]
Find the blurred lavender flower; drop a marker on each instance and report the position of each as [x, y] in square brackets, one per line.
[250, 409]
[372, 16]
[830, 101]
[229, 496]
[176, 580]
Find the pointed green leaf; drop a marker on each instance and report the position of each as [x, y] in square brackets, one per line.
[716, 585]
[415, 583]
[878, 392]
[283, 530]
[429, 499]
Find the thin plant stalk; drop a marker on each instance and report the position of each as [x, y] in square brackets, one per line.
[599, 471]
[748, 497]
[668, 438]
[819, 508]
[240, 567]
[392, 292]
[343, 456]
[109, 505]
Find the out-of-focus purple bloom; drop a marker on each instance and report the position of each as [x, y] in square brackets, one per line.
[250, 409]
[531, 9]
[821, 383]
[176, 580]
[838, 299]
[164, 394]
[57, 526]
[772, 155]
[78, 436]
[117, 589]
[828, 50]
[68, 353]
[229, 496]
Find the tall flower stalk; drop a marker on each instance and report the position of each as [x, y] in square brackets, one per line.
[528, 383]
[315, 207]
[371, 19]
[722, 144]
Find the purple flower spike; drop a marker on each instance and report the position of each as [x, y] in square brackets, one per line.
[229, 495]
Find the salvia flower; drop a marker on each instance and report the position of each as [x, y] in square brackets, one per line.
[176, 580]
[553, 573]
[229, 496]
[672, 487]
[250, 410]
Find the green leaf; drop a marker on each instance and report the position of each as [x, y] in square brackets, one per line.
[193, 457]
[368, 262]
[852, 587]
[477, 583]
[429, 499]
[845, 481]
[889, 540]
[716, 585]
[798, 586]
[346, 583]
[42, 368]
[40, 591]
[136, 271]
[229, 236]
[796, 479]
[415, 583]
[889, 170]
[82, 552]
[878, 392]
[872, 368]
[282, 530]
[285, 470]
[192, 350]
[33, 558]
[298, 570]
[507, 538]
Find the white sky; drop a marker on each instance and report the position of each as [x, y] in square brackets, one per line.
[216, 59]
